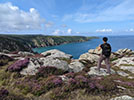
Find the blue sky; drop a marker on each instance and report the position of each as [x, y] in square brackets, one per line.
[67, 17]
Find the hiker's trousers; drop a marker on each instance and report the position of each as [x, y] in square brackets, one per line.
[107, 62]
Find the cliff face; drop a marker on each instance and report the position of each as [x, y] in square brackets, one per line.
[27, 42]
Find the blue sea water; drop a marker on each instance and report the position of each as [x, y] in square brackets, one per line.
[76, 49]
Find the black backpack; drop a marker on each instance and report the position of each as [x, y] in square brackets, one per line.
[106, 50]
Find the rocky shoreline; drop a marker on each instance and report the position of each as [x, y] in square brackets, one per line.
[58, 75]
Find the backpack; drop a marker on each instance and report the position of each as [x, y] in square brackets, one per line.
[106, 50]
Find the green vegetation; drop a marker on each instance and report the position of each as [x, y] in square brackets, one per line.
[27, 42]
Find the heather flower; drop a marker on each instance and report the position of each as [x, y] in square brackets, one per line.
[99, 86]
[81, 78]
[18, 65]
[72, 81]
[3, 92]
[92, 85]
[46, 71]
[57, 81]
[131, 84]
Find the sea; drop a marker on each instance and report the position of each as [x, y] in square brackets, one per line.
[76, 49]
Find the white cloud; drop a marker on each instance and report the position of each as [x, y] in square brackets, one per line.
[104, 30]
[69, 31]
[56, 32]
[130, 30]
[77, 32]
[63, 32]
[121, 12]
[14, 19]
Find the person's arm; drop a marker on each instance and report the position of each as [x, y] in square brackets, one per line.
[99, 48]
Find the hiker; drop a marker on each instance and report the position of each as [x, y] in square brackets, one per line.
[105, 55]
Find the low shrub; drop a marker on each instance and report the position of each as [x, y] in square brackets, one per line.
[18, 65]
[3, 93]
[52, 82]
[28, 85]
[70, 75]
[5, 59]
[46, 71]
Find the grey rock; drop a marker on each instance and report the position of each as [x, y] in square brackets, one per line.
[48, 61]
[36, 63]
[124, 60]
[5, 51]
[32, 67]
[124, 51]
[121, 73]
[103, 72]
[93, 58]
[128, 68]
[25, 53]
[56, 54]
[94, 51]
[76, 66]
[124, 97]
[131, 77]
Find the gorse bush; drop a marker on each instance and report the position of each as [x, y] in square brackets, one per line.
[18, 65]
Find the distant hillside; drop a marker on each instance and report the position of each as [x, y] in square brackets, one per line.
[27, 42]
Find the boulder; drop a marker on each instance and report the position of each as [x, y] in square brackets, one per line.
[25, 53]
[6, 51]
[125, 97]
[32, 67]
[103, 72]
[36, 63]
[124, 51]
[61, 64]
[93, 58]
[56, 54]
[124, 61]
[76, 66]
[121, 73]
[128, 68]
[94, 51]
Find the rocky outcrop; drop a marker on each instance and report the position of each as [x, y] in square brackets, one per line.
[124, 51]
[94, 51]
[76, 66]
[54, 58]
[56, 54]
[128, 68]
[56, 72]
[25, 53]
[121, 73]
[93, 55]
[124, 97]
[36, 63]
[103, 72]
[124, 61]
[93, 58]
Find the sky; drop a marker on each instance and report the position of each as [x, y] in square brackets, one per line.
[67, 17]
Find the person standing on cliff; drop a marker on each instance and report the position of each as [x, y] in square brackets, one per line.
[105, 55]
